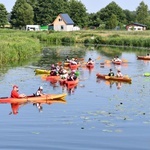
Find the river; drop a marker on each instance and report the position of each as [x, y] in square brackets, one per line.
[97, 115]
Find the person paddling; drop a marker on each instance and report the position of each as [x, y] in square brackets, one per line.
[39, 92]
[118, 59]
[15, 92]
[119, 74]
[148, 55]
[111, 73]
[90, 61]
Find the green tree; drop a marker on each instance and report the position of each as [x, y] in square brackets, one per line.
[94, 20]
[148, 22]
[112, 8]
[112, 22]
[3, 15]
[130, 16]
[142, 13]
[77, 12]
[22, 14]
[47, 10]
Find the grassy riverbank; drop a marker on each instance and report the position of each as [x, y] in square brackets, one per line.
[18, 45]
[98, 37]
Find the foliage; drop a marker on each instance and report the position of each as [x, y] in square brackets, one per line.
[69, 40]
[110, 9]
[22, 14]
[94, 20]
[15, 47]
[112, 22]
[130, 16]
[18, 45]
[142, 13]
[3, 15]
[77, 12]
[47, 10]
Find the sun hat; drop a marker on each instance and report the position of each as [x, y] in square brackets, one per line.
[15, 86]
[41, 88]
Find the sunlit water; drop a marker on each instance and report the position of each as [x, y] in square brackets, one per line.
[97, 116]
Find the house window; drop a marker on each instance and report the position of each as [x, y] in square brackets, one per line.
[62, 27]
[60, 19]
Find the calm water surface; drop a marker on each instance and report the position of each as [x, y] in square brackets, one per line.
[97, 115]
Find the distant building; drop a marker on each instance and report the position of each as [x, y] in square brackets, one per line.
[63, 22]
[32, 27]
[136, 27]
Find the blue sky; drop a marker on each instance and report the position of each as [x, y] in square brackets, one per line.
[93, 5]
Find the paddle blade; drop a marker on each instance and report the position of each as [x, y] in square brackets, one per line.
[98, 58]
[124, 60]
[107, 61]
[43, 77]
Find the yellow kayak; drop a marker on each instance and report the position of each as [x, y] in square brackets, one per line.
[42, 71]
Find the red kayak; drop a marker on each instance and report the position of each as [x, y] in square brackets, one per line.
[62, 81]
[73, 66]
[90, 65]
[74, 82]
[52, 78]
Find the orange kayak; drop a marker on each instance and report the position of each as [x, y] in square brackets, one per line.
[106, 77]
[143, 57]
[32, 99]
[117, 62]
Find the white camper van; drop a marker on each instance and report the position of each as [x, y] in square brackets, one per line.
[32, 27]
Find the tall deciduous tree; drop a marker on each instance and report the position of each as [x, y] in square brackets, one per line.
[142, 13]
[47, 10]
[22, 14]
[130, 16]
[94, 20]
[112, 22]
[112, 8]
[77, 12]
[3, 15]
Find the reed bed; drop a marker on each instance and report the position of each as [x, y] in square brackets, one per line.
[17, 47]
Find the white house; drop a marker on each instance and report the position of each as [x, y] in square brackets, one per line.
[136, 27]
[63, 22]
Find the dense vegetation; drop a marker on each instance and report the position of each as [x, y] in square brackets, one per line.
[17, 46]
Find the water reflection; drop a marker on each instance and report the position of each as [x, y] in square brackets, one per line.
[15, 107]
[69, 89]
[112, 83]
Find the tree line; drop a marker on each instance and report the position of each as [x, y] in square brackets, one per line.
[44, 12]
